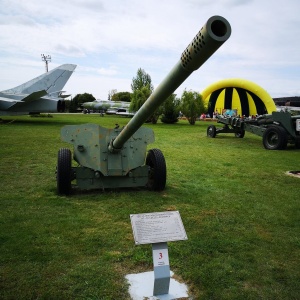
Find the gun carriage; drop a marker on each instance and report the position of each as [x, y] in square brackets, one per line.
[277, 129]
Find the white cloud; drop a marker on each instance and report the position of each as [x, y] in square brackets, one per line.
[107, 72]
[110, 40]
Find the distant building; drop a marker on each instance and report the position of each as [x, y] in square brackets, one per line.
[287, 101]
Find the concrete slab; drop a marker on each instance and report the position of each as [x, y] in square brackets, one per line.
[141, 287]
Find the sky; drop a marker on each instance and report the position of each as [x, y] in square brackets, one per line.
[109, 40]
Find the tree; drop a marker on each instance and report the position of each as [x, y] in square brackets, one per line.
[67, 104]
[111, 93]
[121, 96]
[192, 105]
[170, 110]
[142, 79]
[77, 101]
[142, 88]
[139, 97]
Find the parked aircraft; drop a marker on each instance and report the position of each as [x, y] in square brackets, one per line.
[41, 94]
[105, 105]
[109, 107]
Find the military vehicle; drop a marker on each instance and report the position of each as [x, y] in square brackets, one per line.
[118, 157]
[276, 129]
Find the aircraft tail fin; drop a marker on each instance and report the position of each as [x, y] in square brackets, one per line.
[49, 82]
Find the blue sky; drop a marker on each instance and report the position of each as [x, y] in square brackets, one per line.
[109, 40]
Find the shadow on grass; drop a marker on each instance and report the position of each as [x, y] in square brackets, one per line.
[36, 121]
[77, 192]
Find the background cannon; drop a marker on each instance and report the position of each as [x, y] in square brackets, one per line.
[277, 129]
[112, 158]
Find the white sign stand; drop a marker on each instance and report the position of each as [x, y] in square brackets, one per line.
[158, 229]
[161, 269]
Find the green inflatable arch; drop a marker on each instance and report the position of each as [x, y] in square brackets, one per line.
[245, 96]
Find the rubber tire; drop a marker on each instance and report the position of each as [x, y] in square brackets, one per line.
[275, 138]
[211, 131]
[240, 134]
[64, 171]
[157, 171]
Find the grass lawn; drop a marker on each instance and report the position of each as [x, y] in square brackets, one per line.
[240, 210]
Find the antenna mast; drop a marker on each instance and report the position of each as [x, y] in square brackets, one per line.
[46, 59]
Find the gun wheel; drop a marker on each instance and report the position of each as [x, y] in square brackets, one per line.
[240, 134]
[275, 138]
[64, 171]
[211, 131]
[157, 171]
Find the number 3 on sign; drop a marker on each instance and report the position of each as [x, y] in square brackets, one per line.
[160, 257]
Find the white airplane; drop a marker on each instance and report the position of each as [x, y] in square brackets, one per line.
[105, 104]
[41, 94]
[110, 107]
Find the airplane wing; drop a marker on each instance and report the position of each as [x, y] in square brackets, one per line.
[6, 103]
[34, 96]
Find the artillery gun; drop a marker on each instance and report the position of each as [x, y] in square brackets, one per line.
[276, 129]
[117, 158]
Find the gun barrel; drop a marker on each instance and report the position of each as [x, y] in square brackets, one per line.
[210, 37]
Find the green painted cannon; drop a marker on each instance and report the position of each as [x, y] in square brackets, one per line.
[277, 129]
[117, 158]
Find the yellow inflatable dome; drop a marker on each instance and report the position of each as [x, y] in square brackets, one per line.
[245, 96]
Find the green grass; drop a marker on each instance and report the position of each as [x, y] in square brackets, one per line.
[239, 208]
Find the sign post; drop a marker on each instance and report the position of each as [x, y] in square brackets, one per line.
[158, 229]
[298, 124]
[161, 268]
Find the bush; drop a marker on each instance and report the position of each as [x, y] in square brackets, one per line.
[192, 105]
[170, 110]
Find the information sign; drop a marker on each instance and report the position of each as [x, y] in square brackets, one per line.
[157, 227]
